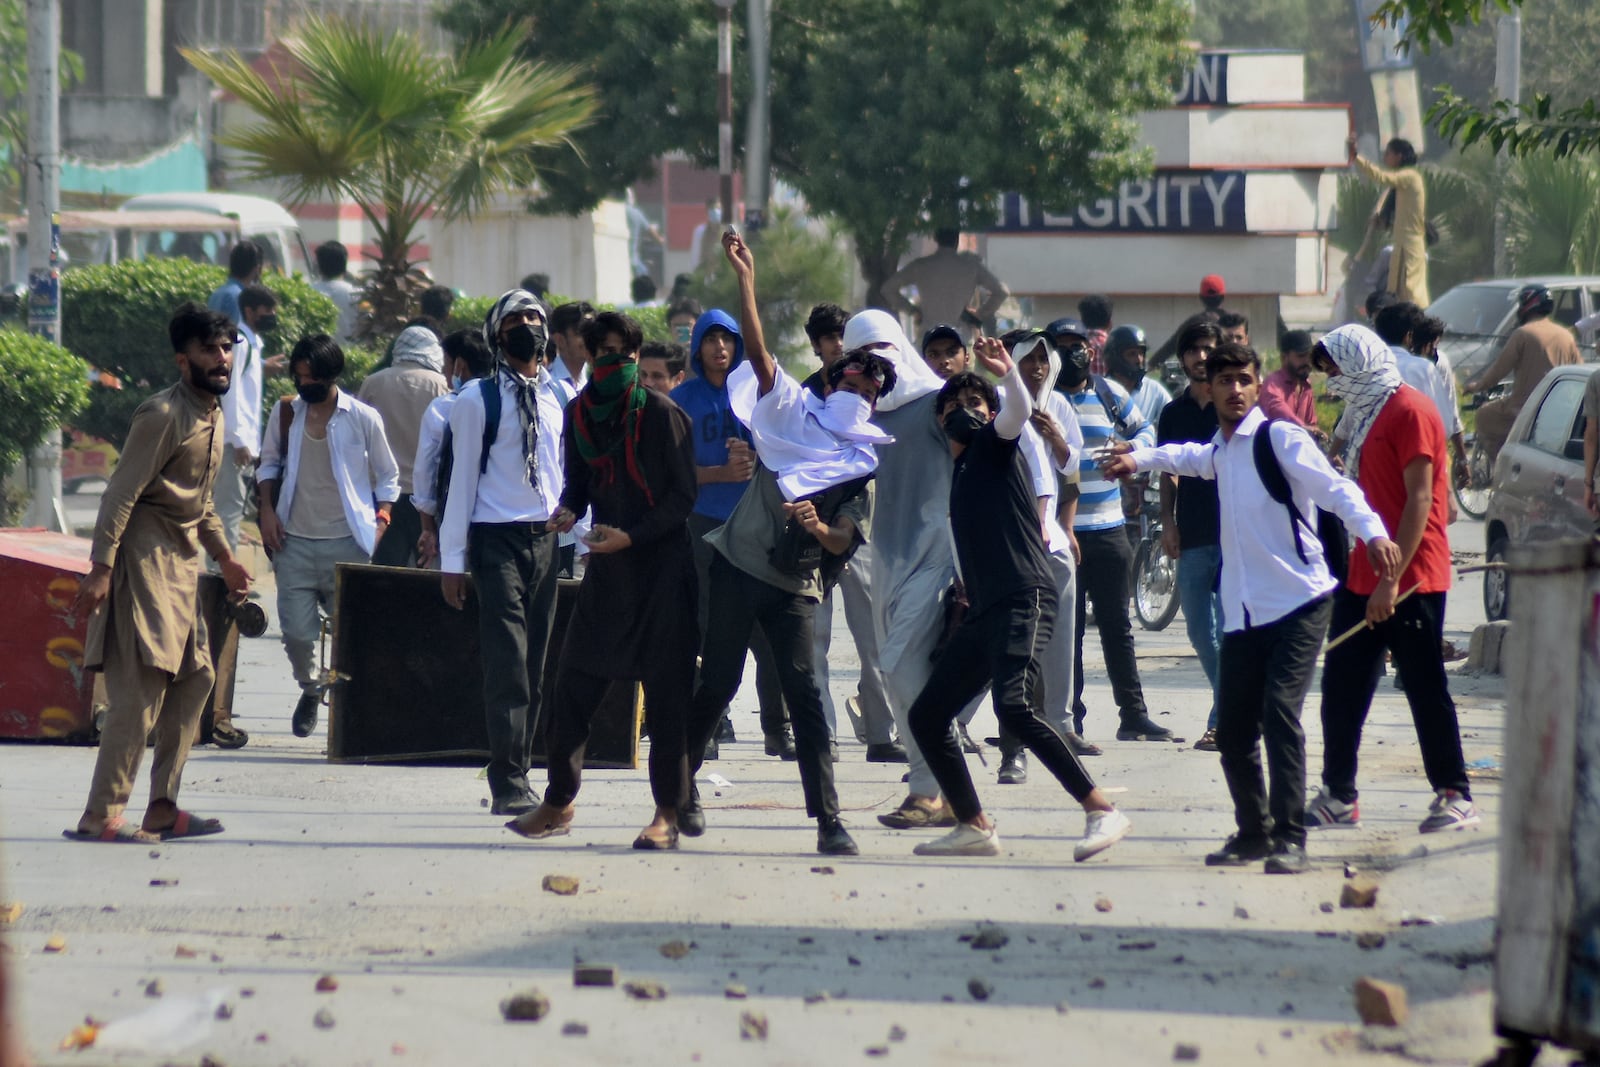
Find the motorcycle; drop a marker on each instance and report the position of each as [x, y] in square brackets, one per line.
[1155, 574]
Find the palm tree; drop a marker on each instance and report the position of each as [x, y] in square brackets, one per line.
[1553, 211]
[401, 132]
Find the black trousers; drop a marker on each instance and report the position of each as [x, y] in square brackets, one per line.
[1263, 675]
[1001, 647]
[1103, 578]
[1350, 677]
[514, 572]
[740, 605]
[398, 546]
[579, 693]
[769, 687]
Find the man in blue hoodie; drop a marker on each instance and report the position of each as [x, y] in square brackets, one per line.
[724, 464]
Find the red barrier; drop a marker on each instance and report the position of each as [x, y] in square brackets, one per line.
[44, 691]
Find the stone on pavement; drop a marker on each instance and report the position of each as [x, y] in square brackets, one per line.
[1381, 1003]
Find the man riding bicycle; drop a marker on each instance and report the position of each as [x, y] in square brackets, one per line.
[1534, 347]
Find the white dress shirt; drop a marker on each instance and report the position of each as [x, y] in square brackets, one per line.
[1436, 381]
[1043, 468]
[241, 404]
[1262, 576]
[502, 494]
[363, 467]
[430, 442]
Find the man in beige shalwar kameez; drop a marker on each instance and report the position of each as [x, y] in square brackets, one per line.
[145, 632]
[1408, 263]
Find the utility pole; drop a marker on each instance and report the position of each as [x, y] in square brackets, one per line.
[45, 507]
[1507, 86]
[725, 106]
[757, 150]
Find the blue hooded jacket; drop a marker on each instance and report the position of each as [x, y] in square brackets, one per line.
[712, 417]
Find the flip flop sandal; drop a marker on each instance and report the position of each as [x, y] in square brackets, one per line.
[116, 832]
[190, 826]
[645, 843]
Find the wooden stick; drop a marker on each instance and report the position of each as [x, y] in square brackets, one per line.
[1358, 627]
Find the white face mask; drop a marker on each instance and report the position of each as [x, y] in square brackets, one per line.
[455, 382]
[844, 413]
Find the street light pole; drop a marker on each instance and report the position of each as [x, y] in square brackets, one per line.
[45, 506]
[1507, 86]
[756, 144]
[725, 106]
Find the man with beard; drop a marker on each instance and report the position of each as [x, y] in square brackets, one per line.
[1124, 355]
[505, 485]
[1003, 561]
[150, 641]
[327, 484]
[630, 456]
[1286, 393]
[1189, 531]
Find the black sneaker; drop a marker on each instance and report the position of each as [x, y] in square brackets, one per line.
[1014, 768]
[833, 839]
[1240, 851]
[1141, 728]
[887, 752]
[305, 714]
[513, 804]
[782, 746]
[725, 730]
[692, 817]
[1287, 858]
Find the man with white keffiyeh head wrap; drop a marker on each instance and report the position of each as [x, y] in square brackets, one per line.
[1362, 374]
[401, 393]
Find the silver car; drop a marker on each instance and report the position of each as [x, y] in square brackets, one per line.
[1479, 316]
[1538, 478]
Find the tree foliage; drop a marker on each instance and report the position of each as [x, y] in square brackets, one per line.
[401, 132]
[14, 96]
[42, 385]
[115, 316]
[1542, 126]
[894, 117]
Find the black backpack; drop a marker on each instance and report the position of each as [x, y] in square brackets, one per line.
[1329, 529]
[490, 389]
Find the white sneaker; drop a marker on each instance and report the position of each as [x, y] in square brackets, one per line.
[1449, 811]
[1101, 830]
[964, 840]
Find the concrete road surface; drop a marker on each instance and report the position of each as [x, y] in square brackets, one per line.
[397, 881]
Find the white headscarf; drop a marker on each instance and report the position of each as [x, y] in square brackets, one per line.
[1025, 347]
[914, 379]
[419, 345]
[1367, 378]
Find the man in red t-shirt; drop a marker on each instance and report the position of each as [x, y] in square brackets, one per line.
[1398, 454]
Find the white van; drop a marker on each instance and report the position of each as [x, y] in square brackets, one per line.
[264, 221]
[94, 237]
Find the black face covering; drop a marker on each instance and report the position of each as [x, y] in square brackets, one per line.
[1134, 374]
[962, 424]
[267, 323]
[1074, 369]
[525, 343]
[313, 392]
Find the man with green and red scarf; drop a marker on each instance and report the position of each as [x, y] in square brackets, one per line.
[629, 456]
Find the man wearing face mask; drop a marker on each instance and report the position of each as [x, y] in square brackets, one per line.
[1105, 413]
[1124, 353]
[328, 483]
[505, 485]
[1004, 564]
[241, 407]
[401, 394]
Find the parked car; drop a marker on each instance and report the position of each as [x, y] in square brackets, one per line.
[1538, 479]
[1479, 316]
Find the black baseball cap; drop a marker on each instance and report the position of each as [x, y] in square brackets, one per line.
[1062, 327]
[944, 329]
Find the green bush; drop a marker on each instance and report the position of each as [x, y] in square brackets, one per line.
[116, 318]
[42, 385]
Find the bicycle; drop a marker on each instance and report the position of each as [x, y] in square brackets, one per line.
[1475, 477]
